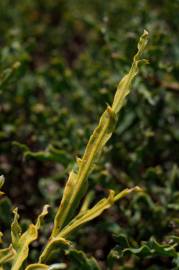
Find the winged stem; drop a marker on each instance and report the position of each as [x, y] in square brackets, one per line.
[77, 181]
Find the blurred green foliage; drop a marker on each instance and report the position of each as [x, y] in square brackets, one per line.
[60, 62]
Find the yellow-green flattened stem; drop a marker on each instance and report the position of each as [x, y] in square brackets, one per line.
[82, 218]
[77, 181]
[95, 211]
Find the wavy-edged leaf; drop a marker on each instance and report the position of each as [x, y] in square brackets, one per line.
[123, 88]
[7, 254]
[82, 262]
[22, 243]
[150, 248]
[55, 243]
[16, 230]
[49, 154]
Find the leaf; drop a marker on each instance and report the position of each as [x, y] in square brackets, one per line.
[81, 261]
[122, 240]
[21, 146]
[50, 154]
[21, 244]
[16, 230]
[7, 254]
[125, 83]
[37, 266]
[150, 248]
[98, 139]
[55, 243]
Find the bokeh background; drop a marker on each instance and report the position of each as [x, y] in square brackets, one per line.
[60, 62]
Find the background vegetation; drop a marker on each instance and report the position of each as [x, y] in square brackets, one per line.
[60, 62]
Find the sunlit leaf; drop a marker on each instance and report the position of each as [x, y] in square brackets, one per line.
[55, 243]
[22, 243]
[16, 230]
[7, 254]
